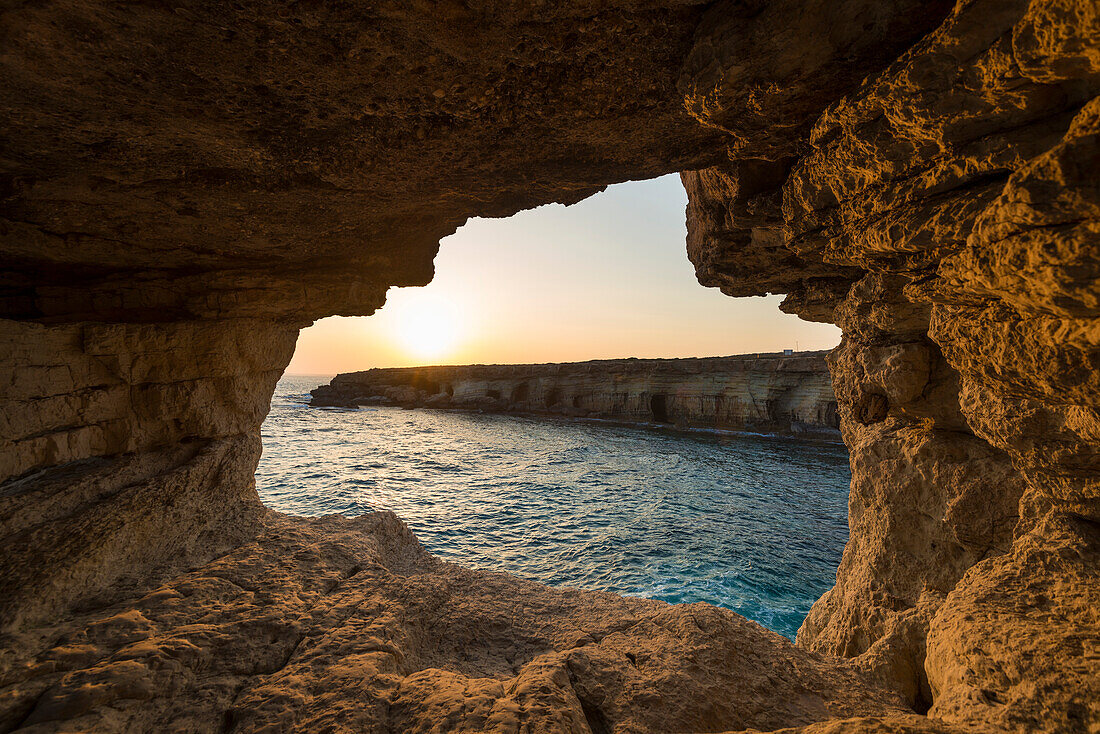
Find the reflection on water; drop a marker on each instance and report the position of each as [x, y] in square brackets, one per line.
[753, 524]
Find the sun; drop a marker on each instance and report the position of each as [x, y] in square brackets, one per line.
[426, 325]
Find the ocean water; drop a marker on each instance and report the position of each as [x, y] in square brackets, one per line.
[751, 523]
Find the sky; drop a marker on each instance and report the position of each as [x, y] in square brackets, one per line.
[605, 278]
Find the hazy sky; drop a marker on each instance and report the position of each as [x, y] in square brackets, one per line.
[608, 277]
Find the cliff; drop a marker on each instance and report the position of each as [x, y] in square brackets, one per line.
[184, 186]
[767, 393]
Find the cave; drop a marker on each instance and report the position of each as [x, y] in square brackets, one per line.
[552, 398]
[429, 386]
[521, 392]
[185, 187]
[658, 408]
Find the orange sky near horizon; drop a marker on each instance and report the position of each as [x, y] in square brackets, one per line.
[605, 278]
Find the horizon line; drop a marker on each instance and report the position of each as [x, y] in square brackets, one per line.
[781, 353]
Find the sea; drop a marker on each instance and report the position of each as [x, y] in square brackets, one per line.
[752, 523]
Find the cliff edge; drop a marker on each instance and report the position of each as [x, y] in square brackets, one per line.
[774, 393]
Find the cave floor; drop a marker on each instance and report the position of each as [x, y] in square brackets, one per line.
[333, 624]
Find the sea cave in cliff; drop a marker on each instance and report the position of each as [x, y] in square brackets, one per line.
[184, 188]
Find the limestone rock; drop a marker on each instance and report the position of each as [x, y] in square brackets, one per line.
[350, 625]
[771, 392]
[957, 190]
[992, 642]
[183, 186]
[103, 488]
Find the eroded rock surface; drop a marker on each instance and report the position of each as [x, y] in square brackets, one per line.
[350, 625]
[770, 392]
[184, 186]
[945, 215]
[131, 446]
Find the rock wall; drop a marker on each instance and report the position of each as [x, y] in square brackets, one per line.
[770, 392]
[184, 186]
[105, 488]
[945, 215]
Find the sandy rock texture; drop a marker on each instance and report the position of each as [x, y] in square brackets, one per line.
[945, 215]
[127, 445]
[767, 392]
[350, 625]
[184, 186]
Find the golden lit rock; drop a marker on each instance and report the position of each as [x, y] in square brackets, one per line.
[184, 186]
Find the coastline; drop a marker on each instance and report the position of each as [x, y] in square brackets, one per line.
[772, 394]
[808, 433]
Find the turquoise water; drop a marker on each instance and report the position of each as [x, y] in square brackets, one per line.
[754, 524]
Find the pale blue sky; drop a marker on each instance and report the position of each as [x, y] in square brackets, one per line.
[608, 277]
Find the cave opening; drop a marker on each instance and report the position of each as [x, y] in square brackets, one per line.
[605, 278]
[553, 397]
[629, 294]
[658, 408]
[428, 385]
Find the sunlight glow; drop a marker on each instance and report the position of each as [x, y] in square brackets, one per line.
[605, 278]
[426, 325]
